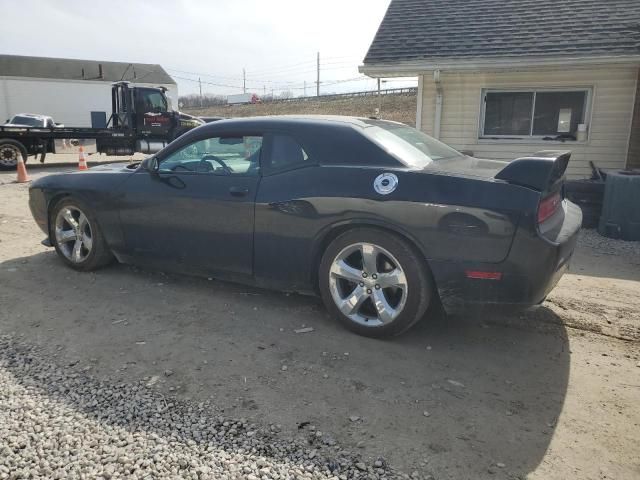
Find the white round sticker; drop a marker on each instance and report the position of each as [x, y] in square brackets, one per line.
[385, 183]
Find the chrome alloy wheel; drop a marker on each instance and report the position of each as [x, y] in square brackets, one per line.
[9, 155]
[368, 284]
[73, 234]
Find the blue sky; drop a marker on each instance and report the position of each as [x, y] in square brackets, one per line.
[275, 41]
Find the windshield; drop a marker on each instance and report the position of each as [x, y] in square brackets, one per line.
[28, 121]
[412, 147]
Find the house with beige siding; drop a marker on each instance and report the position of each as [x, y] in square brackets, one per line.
[508, 78]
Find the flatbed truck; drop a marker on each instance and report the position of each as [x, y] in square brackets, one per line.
[141, 122]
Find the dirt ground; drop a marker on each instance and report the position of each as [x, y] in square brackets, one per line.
[396, 107]
[552, 393]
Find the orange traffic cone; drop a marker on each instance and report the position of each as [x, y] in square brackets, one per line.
[82, 160]
[23, 177]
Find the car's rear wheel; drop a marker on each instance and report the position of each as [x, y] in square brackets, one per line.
[10, 153]
[374, 282]
[77, 236]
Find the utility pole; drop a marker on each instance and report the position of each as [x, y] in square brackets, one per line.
[200, 85]
[379, 98]
[305, 88]
[264, 89]
[318, 77]
[244, 80]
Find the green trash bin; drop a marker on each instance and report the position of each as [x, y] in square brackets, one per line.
[621, 206]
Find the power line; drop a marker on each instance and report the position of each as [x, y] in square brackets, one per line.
[257, 82]
[303, 72]
[270, 71]
[200, 74]
[209, 83]
[301, 87]
[336, 82]
[257, 78]
[203, 74]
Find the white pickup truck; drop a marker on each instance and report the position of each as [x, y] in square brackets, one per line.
[32, 120]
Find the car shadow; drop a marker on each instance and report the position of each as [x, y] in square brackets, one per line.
[468, 396]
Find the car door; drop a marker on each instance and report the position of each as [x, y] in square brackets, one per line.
[286, 217]
[152, 113]
[196, 209]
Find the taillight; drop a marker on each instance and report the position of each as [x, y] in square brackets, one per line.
[483, 275]
[548, 206]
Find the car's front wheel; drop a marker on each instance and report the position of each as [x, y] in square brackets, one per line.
[77, 237]
[374, 282]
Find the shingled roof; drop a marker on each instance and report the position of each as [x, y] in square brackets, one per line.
[72, 69]
[423, 30]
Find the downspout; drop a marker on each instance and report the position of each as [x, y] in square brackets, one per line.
[438, 113]
[419, 102]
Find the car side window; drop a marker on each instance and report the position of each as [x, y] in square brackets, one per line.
[238, 155]
[286, 152]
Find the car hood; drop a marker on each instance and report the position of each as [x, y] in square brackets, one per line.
[106, 168]
[108, 174]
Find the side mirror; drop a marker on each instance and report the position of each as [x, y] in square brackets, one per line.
[151, 165]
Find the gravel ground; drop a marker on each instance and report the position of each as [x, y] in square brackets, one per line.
[590, 238]
[58, 422]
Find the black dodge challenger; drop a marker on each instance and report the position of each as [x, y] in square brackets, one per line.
[378, 218]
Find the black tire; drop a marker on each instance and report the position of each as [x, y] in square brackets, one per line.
[420, 291]
[99, 255]
[9, 147]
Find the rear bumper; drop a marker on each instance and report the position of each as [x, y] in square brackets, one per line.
[533, 268]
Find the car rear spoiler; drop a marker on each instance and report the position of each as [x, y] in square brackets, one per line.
[540, 171]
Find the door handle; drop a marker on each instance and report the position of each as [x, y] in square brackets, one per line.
[238, 191]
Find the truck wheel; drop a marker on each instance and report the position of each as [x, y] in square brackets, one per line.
[10, 151]
[77, 237]
[374, 282]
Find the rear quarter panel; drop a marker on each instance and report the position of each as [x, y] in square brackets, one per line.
[446, 217]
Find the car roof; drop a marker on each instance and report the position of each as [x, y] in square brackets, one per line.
[32, 115]
[289, 120]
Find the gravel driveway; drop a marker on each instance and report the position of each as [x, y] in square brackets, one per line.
[126, 373]
[59, 423]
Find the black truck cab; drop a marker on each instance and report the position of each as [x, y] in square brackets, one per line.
[142, 120]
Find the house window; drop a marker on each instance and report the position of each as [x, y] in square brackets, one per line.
[544, 114]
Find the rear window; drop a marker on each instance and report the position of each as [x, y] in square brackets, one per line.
[410, 146]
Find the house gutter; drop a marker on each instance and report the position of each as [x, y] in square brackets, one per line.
[413, 68]
[437, 121]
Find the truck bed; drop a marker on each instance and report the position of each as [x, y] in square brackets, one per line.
[63, 132]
